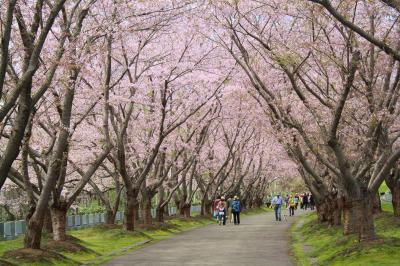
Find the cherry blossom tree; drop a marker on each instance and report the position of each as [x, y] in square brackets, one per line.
[324, 115]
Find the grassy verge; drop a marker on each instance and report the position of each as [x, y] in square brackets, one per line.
[315, 244]
[101, 243]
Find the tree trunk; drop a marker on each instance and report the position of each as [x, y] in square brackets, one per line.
[329, 209]
[47, 222]
[258, 202]
[396, 199]
[181, 208]
[350, 213]
[336, 216]
[58, 220]
[110, 217]
[206, 206]
[146, 210]
[358, 216]
[159, 214]
[322, 210]
[186, 210]
[367, 228]
[131, 206]
[376, 207]
[33, 233]
[166, 211]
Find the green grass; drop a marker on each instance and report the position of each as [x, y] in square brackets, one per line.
[383, 188]
[103, 243]
[328, 246]
[387, 207]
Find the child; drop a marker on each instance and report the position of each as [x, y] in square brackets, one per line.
[221, 208]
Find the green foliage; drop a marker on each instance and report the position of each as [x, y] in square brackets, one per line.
[91, 207]
[313, 242]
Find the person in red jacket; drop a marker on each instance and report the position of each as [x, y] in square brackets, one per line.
[214, 206]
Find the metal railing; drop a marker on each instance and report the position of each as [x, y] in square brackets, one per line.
[12, 229]
[386, 197]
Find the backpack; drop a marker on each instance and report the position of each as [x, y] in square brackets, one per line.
[236, 206]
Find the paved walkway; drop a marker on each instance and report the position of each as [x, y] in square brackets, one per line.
[259, 240]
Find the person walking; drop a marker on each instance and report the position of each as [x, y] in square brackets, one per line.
[215, 206]
[221, 208]
[236, 208]
[268, 202]
[301, 201]
[229, 209]
[312, 202]
[305, 201]
[277, 203]
[296, 202]
[291, 205]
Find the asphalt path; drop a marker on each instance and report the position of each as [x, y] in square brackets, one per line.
[258, 240]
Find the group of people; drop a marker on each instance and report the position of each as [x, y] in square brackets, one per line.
[230, 208]
[306, 200]
[292, 202]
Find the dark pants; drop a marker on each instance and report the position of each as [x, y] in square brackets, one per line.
[291, 211]
[222, 217]
[236, 217]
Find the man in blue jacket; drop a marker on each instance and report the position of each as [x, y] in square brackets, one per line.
[277, 203]
[236, 208]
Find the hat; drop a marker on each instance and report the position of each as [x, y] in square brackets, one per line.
[236, 197]
[222, 197]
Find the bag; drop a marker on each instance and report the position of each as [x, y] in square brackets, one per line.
[236, 206]
[215, 214]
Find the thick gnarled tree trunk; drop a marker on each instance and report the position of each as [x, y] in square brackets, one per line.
[131, 207]
[329, 210]
[358, 216]
[146, 210]
[58, 220]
